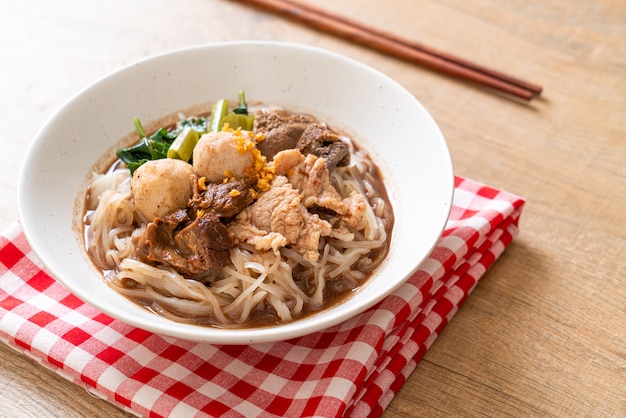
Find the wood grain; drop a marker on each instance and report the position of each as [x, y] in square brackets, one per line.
[543, 334]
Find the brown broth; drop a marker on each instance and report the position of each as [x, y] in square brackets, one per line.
[336, 291]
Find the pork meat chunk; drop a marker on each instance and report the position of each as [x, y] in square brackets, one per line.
[224, 200]
[190, 247]
[310, 176]
[280, 130]
[323, 142]
[277, 219]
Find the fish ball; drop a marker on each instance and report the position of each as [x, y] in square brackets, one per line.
[161, 187]
[219, 155]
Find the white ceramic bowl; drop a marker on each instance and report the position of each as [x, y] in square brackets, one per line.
[383, 117]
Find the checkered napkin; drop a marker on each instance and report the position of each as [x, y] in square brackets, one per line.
[352, 369]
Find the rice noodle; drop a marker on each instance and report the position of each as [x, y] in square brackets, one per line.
[279, 282]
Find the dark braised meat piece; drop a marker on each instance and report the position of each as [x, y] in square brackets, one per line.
[191, 248]
[224, 200]
[322, 142]
[280, 130]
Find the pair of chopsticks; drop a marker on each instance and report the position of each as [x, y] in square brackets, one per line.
[401, 48]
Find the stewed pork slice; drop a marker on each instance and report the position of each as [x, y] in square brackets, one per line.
[322, 142]
[278, 219]
[224, 200]
[310, 176]
[191, 247]
[280, 130]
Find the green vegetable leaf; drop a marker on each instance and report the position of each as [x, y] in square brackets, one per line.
[243, 106]
[197, 124]
[157, 145]
[147, 149]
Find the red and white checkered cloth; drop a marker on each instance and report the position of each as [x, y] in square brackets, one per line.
[354, 368]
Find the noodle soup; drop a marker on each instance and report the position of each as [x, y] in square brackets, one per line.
[268, 217]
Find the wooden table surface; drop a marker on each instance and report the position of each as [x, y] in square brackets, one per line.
[544, 333]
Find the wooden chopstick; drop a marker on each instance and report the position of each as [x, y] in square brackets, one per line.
[401, 48]
[426, 49]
